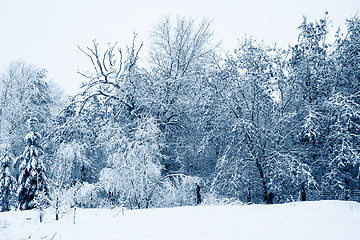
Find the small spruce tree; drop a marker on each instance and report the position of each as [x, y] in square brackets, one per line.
[7, 184]
[32, 179]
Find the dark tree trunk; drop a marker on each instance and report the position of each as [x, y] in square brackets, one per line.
[198, 195]
[41, 213]
[83, 173]
[249, 196]
[303, 192]
[57, 209]
[265, 192]
[270, 198]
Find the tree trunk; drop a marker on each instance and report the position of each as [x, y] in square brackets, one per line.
[265, 192]
[57, 209]
[249, 196]
[270, 198]
[303, 192]
[347, 182]
[41, 214]
[198, 195]
[74, 217]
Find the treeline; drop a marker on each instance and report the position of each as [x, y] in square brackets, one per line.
[186, 124]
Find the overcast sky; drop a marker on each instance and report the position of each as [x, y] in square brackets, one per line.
[45, 32]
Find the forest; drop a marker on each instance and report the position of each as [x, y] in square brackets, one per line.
[187, 123]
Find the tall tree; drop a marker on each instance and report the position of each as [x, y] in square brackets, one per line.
[247, 108]
[181, 54]
[32, 179]
[312, 70]
[344, 107]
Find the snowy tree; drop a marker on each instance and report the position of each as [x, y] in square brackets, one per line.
[69, 164]
[181, 47]
[68, 170]
[110, 95]
[7, 183]
[135, 165]
[347, 58]
[343, 138]
[312, 69]
[246, 109]
[181, 54]
[25, 93]
[112, 79]
[32, 180]
[76, 148]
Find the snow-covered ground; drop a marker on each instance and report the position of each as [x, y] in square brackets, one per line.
[304, 220]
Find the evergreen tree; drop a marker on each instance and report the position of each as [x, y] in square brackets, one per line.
[7, 183]
[32, 179]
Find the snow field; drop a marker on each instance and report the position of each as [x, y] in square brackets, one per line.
[304, 220]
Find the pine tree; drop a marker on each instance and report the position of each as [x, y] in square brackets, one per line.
[32, 179]
[7, 184]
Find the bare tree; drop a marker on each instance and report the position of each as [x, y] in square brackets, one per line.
[181, 48]
[109, 78]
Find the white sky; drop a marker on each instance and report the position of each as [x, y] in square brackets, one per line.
[46, 32]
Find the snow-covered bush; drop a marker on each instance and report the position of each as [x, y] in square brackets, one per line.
[210, 198]
[174, 190]
[88, 196]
